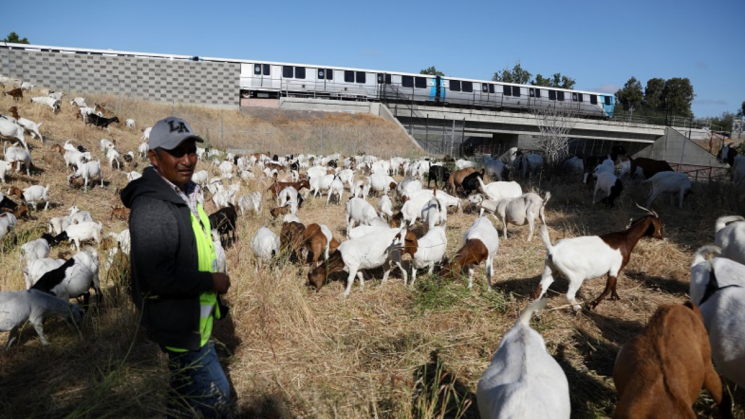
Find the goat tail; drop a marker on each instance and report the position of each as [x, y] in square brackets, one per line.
[546, 239]
[724, 221]
[528, 312]
[543, 206]
[700, 254]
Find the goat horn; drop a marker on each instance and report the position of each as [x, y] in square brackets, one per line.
[648, 211]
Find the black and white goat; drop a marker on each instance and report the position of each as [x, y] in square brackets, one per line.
[74, 278]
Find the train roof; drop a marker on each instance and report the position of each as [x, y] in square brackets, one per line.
[110, 52]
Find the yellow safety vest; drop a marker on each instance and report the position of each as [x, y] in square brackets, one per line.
[207, 263]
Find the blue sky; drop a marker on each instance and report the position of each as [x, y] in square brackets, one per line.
[600, 44]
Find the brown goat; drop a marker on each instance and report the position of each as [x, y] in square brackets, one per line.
[14, 112]
[315, 242]
[456, 178]
[472, 253]
[660, 372]
[277, 187]
[20, 211]
[58, 148]
[650, 167]
[17, 93]
[120, 213]
[291, 238]
[276, 212]
[317, 277]
[14, 191]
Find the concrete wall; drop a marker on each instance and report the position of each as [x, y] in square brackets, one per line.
[674, 147]
[212, 84]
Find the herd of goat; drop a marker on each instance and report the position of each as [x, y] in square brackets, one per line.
[658, 373]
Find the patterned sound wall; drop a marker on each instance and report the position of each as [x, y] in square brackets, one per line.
[157, 79]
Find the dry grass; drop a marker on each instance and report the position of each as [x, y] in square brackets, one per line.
[386, 351]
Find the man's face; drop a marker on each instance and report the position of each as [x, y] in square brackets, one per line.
[176, 165]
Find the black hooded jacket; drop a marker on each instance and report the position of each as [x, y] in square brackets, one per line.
[166, 282]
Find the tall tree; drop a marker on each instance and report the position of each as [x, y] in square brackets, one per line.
[741, 112]
[678, 94]
[517, 75]
[541, 81]
[15, 39]
[653, 98]
[563, 82]
[432, 71]
[631, 96]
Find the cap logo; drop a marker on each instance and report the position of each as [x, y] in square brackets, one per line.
[181, 127]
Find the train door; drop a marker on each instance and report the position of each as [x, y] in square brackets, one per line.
[608, 103]
[261, 76]
[437, 94]
[324, 80]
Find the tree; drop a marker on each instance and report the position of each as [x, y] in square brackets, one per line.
[723, 123]
[563, 82]
[678, 94]
[631, 96]
[554, 123]
[653, 97]
[517, 75]
[15, 39]
[541, 81]
[741, 112]
[432, 71]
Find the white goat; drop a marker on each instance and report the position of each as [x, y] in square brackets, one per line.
[74, 278]
[46, 100]
[730, 237]
[359, 211]
[113, 156]
[718, 288]
[672, 182]
[336, 188]
[88, 171]
[426, 251]
[142, 150]
[79, 102]
[31, 127]
[385, 207]
[130, 123]
[382, 183]
[433, 213]
[11, 129]
[250, 201]
[18, 307]
[35, 194]
[500, 189]
[20, 157]
[518, 211]
[265, 244]
[84, 231]
[523, 380]
[33, 250]
[221, 260]
[610, 185]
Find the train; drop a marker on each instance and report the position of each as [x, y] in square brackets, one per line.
[269, 80]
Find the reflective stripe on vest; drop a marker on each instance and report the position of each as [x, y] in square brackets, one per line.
[207, 263]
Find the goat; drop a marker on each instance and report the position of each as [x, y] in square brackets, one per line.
[610, 185]
[120, 213]
[35, 249]
[500, 190]
[518, 211]
[11, 129]
[438, 173]
[672, 182]
[220, 259]
[46, 100]
[35, 194]
[37, 268]
[265, 244]
[291, 238]
[385, 207]
[373, 250]
[730, 237]
[32, 127]
[528, 164]
[382, 183]
[433, 213]
[88, 171]
[18, 307]
[113, 156]
[20, 157]
[660, 372]
[727, 154]
[130, 123]
[251, 201]
[718, 287]
[336, 188]
[319, 240]
[649, 167]
[456, 178]
[523, 380]
[359, 211]
[426, 251]
[586, 257]
[100, 121]
[224, 221]
[480, 243]
[84, 231]
[16, 93]
[74, 278]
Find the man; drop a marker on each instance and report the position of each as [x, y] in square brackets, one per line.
[175, 282]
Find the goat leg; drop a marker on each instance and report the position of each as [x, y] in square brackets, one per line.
[610, 285]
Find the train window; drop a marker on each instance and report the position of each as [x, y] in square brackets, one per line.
[257, 69]
[507, 90]
[531, 92]
[467, 86]
[560, 96]
[267, 68]
[607, 101]
[580, 97]
[594, 99]
[361, 77]
[455, 85]
[491, 88]
[349, 76]
[329, 74]
[299, 72]
[326, 73]
[407, 81]
[381, 78]
[552, 94]
[574, 97]
[515, 91]
[484, 87]
[420, 82]
[287, 71]
[387, 79]
[537, 93]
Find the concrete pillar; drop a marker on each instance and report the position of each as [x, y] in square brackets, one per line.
[501, 142]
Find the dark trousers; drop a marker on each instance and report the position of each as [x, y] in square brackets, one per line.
[199, 384]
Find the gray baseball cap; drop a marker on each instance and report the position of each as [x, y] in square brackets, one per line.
[168, 133]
